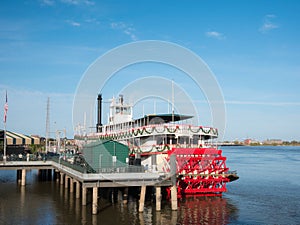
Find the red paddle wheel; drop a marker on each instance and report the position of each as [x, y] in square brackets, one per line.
[199, 171]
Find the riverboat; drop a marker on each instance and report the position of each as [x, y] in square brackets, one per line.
[153, 139]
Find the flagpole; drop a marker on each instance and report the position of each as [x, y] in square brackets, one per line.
[4, 148]
[4, 120]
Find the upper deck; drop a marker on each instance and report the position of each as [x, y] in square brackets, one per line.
[154, 125]
[152, 131]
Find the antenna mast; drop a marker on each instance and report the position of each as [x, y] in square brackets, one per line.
[173, 101]
[47, 125]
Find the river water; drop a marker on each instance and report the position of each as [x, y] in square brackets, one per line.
[268, 192]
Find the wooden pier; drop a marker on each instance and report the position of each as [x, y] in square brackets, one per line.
[72, 179]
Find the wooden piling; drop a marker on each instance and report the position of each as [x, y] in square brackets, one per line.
[23, 180]
[71, 185]
[61, 178]
[174, 197]
[66, 181]
[95, 201]
[83, 196]
[142, 198]
[77, 189]
[56, 172]
[158, 198]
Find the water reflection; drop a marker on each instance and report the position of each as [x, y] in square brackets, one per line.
[174, 215]
[196, 210]
[206, 210]
[48, 202]
[22, 199]
[259, 197]
[94, 219]
[83, 215]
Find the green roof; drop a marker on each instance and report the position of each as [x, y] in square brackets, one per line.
[106, 154]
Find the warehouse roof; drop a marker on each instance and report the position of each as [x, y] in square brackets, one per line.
[13, 138]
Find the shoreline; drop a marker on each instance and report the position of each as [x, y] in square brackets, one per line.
[262, 145]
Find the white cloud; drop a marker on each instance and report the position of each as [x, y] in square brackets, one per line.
[215, 34]
[268, 23]
[125, 28]
[73, 23]
[78, 2]
[68, 2]
[119, 25]
[48, 2]
[92, 21]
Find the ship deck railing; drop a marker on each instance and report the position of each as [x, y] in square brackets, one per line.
[111, 178]
[82, 166]
[155, 129]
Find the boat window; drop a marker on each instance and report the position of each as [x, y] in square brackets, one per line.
[125, 110]
[117, 109]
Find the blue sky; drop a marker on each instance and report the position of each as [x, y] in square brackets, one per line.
[252, 47]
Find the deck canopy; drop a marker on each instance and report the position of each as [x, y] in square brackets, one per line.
[161, 118]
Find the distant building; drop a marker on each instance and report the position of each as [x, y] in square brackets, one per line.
[273, 142]
[16, 142]
[249, 141]
[13, 138]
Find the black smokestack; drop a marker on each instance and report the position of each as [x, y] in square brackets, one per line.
[121, 99]
[99, 111]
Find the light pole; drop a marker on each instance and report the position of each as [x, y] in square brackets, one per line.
[58, 132]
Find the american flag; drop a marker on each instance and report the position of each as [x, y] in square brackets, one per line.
[5, 108]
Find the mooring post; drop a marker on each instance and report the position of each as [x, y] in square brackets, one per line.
[95, 201]
[142, 198]
[83, 195]
[23, 181]
[158, 198]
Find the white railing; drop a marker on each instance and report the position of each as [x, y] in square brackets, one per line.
[157, 129]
